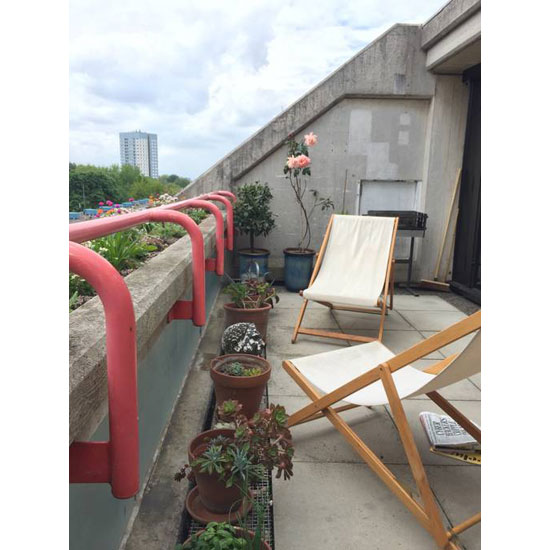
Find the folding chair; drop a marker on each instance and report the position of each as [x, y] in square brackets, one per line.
[353, 271]
[369, 375]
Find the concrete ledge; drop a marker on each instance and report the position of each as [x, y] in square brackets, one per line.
[446, 19]
[154, 288]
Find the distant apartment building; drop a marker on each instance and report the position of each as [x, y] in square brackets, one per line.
[140, 149]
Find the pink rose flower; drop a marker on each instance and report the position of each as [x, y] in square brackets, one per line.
[117, 205]
[101, 203]
[130, 199]
[303, 161]
[109, 203]
[292, 162]
[310, 139]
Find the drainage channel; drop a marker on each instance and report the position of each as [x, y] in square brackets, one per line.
[262, 491]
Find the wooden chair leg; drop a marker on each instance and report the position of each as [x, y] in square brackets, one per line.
[299, 321]
[413, 456]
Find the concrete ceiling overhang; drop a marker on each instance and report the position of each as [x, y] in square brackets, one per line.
[460, 60]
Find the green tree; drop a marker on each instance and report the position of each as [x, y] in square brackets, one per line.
[89, 185]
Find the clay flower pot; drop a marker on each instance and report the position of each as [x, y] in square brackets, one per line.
[259, 316]
[215, 496]
[247, 390]
[240, 532]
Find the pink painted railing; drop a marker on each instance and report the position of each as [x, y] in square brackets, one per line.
[115, 461]
[229, 209]
[210, 263]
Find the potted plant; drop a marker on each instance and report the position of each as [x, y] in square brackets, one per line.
[224, 536]
[242, 378]
[253, 217]
[251, 301]
[297, 169]
[225, 461]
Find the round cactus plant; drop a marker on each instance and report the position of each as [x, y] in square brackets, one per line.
[242, 338]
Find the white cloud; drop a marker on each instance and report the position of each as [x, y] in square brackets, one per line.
[204, 75]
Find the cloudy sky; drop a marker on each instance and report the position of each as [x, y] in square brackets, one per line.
[204, 75]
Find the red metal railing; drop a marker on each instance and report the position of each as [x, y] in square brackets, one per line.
[229, 209]
[115, 461]
[227, 194]
[210, 264]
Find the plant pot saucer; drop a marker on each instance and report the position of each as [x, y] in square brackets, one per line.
[198, 511]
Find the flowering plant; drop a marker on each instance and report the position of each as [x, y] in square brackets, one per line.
[296, 167]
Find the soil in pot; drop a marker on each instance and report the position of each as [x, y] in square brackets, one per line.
[298, 268]
[215, 496]
[247, 390]
[258, 316]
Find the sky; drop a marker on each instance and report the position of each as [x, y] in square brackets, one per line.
[205, 75]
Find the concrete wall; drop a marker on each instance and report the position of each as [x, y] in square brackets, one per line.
[358, 139]
[98, 521]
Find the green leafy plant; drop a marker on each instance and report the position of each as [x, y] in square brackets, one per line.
[238, 369]
[252, 293]
[216, 536]
[122, 250]
[252, 215]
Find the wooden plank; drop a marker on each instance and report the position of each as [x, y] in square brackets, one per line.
[336, 335]
[413, 456]
[470, 522]
[441, 365]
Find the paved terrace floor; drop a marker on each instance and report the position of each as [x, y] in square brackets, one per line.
[334, 500]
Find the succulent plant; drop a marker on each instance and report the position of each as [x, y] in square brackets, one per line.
[242, 338]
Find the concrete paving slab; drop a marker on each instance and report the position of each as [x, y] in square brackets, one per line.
[476, 380]
[432, 320]
[294, 300]
[279, 340]
[313, 318]
[413, 407]
[327, 506]
[349, 319]
[319, 441]
[280, 382]
[458, 490]
[455, 347]
[407, 302]
[397, 340]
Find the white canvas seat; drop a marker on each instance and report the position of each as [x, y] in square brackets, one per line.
[332, 369]
[369, 375]
[353, 270]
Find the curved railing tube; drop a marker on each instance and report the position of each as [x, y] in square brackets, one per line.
[227, 194]
[229, 210]
[93, 229]
[216, 212]
[115, 461]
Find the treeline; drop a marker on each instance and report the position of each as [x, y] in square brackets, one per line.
[88, 185]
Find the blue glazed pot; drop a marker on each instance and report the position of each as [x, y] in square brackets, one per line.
[298, 268]
[254, 262]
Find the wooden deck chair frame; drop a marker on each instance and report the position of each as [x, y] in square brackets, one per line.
[426, 513]
[383, 304]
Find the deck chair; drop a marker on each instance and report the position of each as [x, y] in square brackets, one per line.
[353, 271]
[370, 374]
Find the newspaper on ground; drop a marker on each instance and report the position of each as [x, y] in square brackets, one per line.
[444, 433]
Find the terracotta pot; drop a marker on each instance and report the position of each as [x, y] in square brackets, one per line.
[240, 532]
[214, 494]
[259, 316]
[247, 390]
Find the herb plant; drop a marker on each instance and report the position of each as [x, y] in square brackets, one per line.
[252, 293]
[219, 536]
